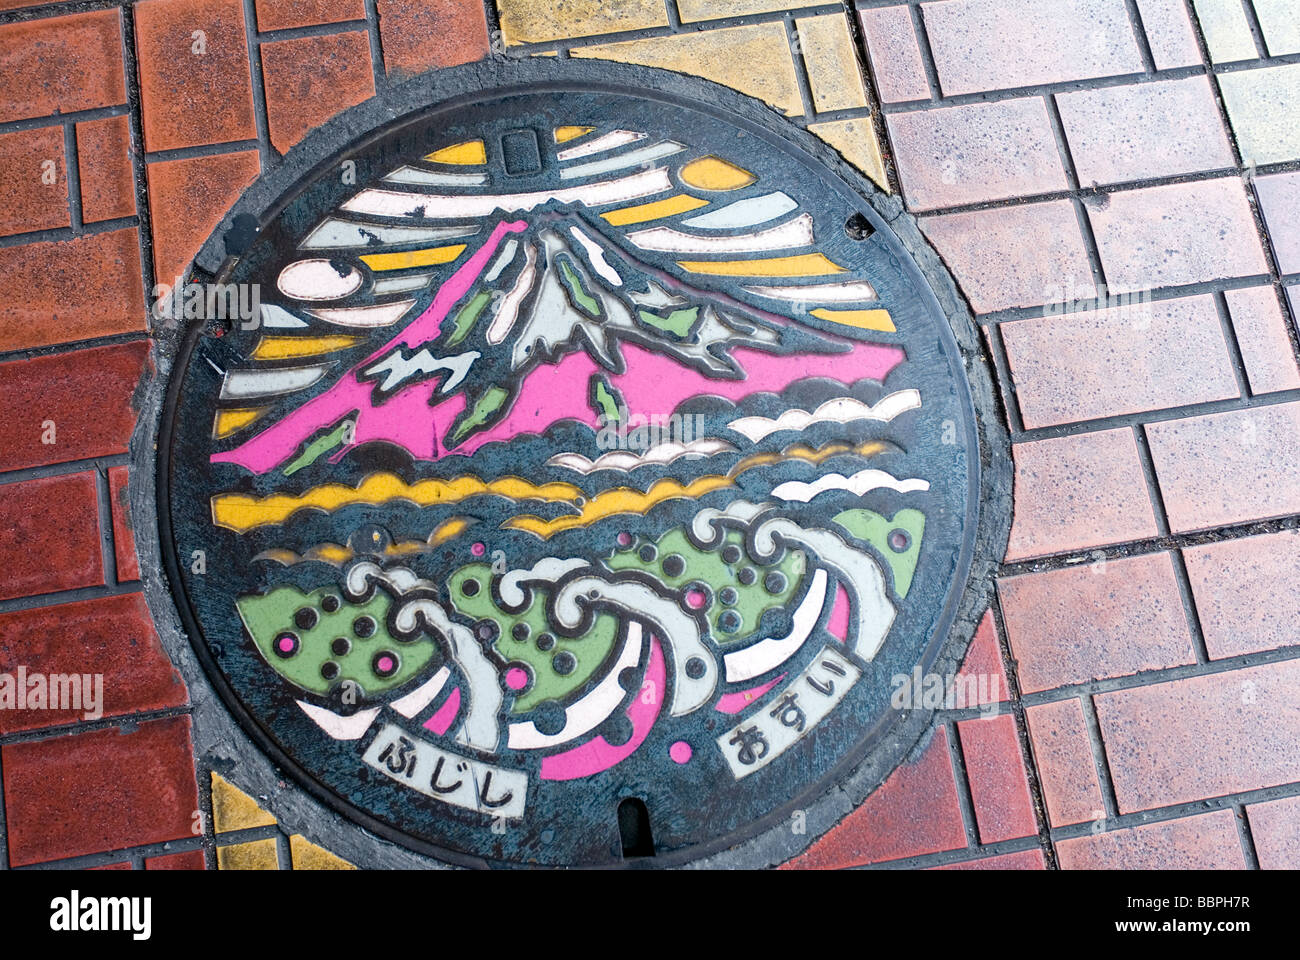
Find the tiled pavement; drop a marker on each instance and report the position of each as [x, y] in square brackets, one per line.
[1115, 185]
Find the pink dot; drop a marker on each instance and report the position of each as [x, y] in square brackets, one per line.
[385, 664]
[516, 678]
[286, 644]
[695, 599]
[680, 752]
[624, 539]
[478, 549]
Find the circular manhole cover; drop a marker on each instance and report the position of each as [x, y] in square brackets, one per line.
[581, 471]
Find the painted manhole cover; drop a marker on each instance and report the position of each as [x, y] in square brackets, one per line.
[590, 456]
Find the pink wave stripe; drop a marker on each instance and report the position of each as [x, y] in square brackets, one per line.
[838, 624]
[735, 702]
[406, 418]
[596, 754]
[442, 718]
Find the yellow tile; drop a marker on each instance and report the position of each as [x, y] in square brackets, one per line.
[832, 65]
[863, 319]
[856, 142]
[469, 153]
[714, 173]
[692, 11]
[308, 856]
[233, 809]
[754, 60]
[655, 210]
[227, 422]
[538, 21]
[254, 855]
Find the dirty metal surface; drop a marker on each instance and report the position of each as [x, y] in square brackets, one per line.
[584, 468]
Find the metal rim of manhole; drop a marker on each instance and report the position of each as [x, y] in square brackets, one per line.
[570, 460]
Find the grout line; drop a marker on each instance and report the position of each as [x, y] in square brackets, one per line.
[1109, 799]
[795, 44]
[69, 596]
[1156, 495]
[63, 234]
[378, 69]
[1006, 385]
[869, 88]
[961, 855]
[1020, 717]
[1191, 612]
[202, 150]
[268, 155]
[670, 11]
[125, 720]
[1233, 345]
[64, 468]
[72, 177]
[1256, 30]
[1179, 292]
[311, 30]
[1146, 417]
[1246, 835]
[965, 800]
[1137, 548]
[284, 855]
[54, 349]
[1140, 36]
[107, 535]
[1072, 178]
[72, 116]
[1180, 811]
[4, 833]
[139, 168]
[1148, 678]
[927, 54]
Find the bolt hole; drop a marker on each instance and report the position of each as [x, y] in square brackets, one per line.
[858, 227]
[634, 828]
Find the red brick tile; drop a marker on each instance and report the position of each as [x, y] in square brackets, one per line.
[56, 388]
[997, 44]
[189, 97]
[1176, 234]
[188, 198]
[311, 79]
[49, 536]
[914, 812]
[73, 795]
[1087, 622]
[1145, 130]
[1228, 467]
[1275, 828]
[104, 167]
[1076, 492]
[282, 14]
[984, 663]
[1261, 332]
[420, 35]
[67, 290]
[124, 865]
[895, 54]
[128, 564]
[1206, 842]
[999, 788]
[33, 181]
[111, 636]
[1169, 33]
[1279, 199]
[1136, 356]
[61, 64]
[189, 860]
[1019, 256]
[1063, 758]
[981, 151]
[1202, 737]
[1021, 860]
[1247, 592]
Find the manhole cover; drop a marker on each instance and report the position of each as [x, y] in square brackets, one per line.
[589, 468]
